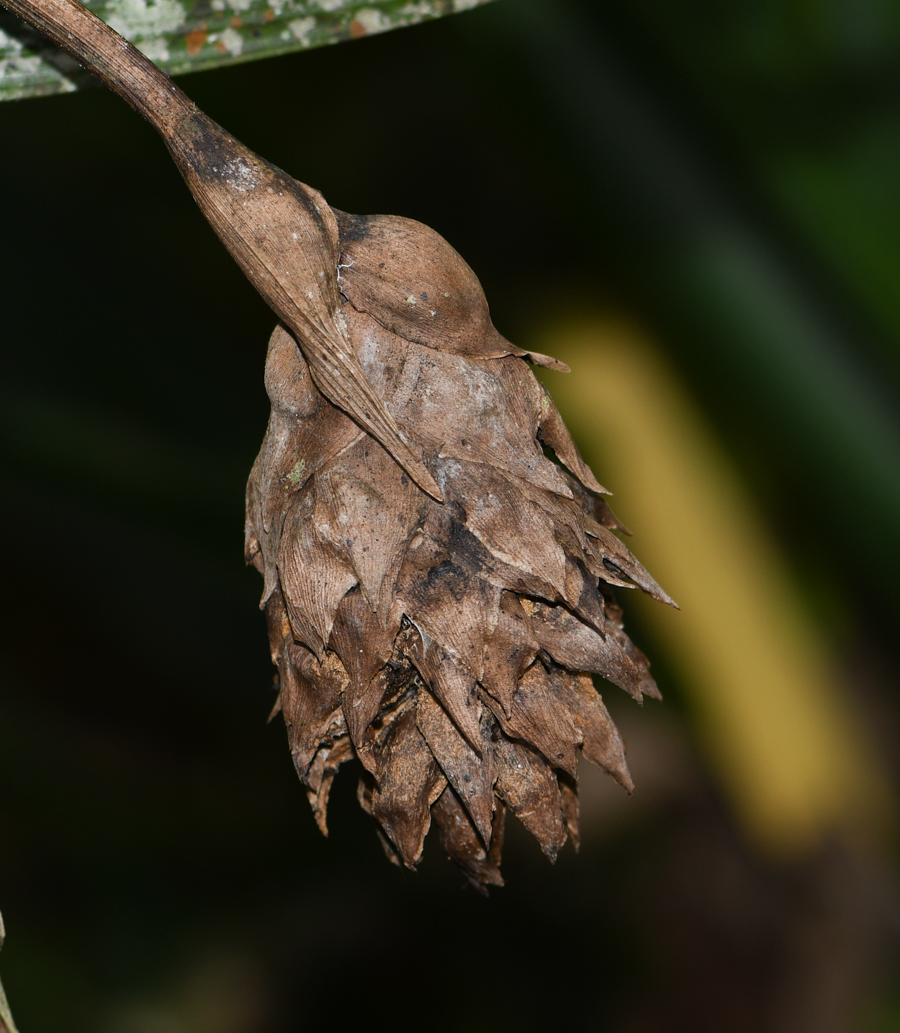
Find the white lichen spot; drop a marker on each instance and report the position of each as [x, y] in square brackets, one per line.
[466, 5]
[411, 300]
[301, 28]
[218, 5]
[232, 41]
[372, 20]
[239, 173]
[140, 19]
[328, 5]
[239, 6]
[20, 73]
[155, 49]
[9, 44]
[417, 11]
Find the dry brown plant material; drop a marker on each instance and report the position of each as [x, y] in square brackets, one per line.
[438, 590]
[448, 645]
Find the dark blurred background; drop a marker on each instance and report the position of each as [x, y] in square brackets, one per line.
[716, 179]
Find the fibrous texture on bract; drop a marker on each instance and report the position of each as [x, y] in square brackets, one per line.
[448, 645]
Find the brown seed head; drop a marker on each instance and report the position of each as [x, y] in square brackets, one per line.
[449, 646]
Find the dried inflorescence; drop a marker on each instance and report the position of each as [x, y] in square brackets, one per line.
[437, 589]
[448, 645]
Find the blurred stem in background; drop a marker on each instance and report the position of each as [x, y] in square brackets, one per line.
[757, 673]
[6, 1020]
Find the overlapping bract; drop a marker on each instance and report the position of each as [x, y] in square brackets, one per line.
[449, 646]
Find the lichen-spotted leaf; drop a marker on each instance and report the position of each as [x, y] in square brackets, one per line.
[193, 35]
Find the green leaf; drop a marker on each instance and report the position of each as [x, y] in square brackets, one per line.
[193, 35]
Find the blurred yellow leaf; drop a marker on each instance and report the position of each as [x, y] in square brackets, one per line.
[776, 724]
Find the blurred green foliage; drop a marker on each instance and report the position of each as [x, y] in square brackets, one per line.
[724, 174]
